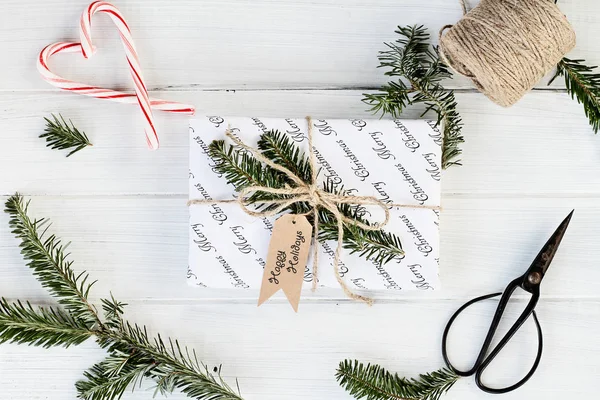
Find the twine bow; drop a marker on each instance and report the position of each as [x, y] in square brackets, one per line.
[317, 198]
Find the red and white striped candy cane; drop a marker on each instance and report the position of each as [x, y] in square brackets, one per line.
[140, 96]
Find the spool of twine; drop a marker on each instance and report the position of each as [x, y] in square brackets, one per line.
[507, 46]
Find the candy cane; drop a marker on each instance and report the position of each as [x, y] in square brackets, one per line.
[86, 47]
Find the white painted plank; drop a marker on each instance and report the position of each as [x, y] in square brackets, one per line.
[237, 44]
[136, 247]
[277, 354]
[543, 145]
[525, 168]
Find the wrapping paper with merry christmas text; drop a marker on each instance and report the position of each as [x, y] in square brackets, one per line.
[397, 161]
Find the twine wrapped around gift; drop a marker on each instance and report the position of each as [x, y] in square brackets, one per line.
[507, 46]
[316, 197]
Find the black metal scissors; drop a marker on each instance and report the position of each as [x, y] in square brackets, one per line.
[530, 282]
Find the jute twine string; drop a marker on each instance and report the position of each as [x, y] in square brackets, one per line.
[317, 198]
[507, 46]
[463, 5]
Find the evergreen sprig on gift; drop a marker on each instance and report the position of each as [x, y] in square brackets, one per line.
[419, 71]
[241, 169]
[61, 136]
[372, 382]
[133, 355]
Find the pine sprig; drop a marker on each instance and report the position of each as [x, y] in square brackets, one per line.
[378, 246]
[173, 366]
[243, 170]
[47, 258]
[111, 377]
[45, 327]
[277, 147]
[132, 353]
[372, 382]
[113, 312]
[582, 84]
[60, 135]
[419, 71]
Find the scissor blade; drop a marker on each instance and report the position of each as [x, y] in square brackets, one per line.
[546, 255]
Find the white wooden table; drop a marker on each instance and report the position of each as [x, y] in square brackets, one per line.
[124, 207]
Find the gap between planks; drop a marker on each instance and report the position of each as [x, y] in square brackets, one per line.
[184, 195]
[308, 301]
[196, 87]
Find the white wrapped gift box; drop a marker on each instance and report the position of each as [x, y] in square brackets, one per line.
[397, 161]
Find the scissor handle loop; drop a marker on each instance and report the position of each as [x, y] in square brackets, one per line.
[483, 359]
[447, 330]
[517, 385]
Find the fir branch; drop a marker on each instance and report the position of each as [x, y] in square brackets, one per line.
[372, 382]
[378, 246]
[173, 366]
[109, 379]
[46, 327]
[113, 312]
[59, 135]
[46, 256]
[419, 71]
[582, 84]
[133, 354]
[242, 170]
[410, 55]
[392, 99]
[277, 147]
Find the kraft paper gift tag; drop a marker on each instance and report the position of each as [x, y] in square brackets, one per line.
[397, 161]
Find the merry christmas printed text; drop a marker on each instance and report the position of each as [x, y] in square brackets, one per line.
[395, 161]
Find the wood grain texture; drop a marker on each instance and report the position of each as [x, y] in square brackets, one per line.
[215, 44]
[124, 207]
[403, 338]
[541, 146]
[126, 239]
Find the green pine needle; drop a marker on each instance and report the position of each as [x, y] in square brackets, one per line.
[419, 71]
[133, 354]
[277, 147]
[110, 378]
[113, 312]
[241, 169]
[378, 246]
[582, 84]
[46, 327]
[47, 257]
[59, 135]
[372, 382]
[169, 364]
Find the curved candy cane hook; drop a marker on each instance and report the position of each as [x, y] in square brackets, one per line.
[86, 47]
